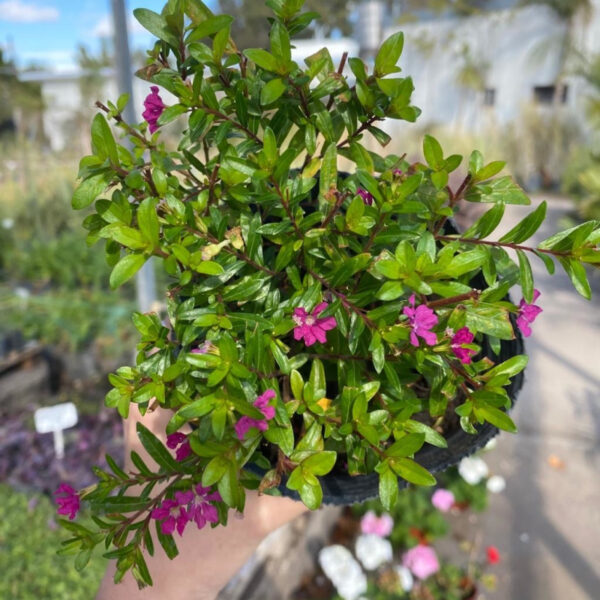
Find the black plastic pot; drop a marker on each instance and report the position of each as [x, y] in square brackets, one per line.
[344, 489]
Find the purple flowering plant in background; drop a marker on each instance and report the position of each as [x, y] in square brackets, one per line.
[310, 309]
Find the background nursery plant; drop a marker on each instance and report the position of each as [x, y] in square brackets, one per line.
[319, 322]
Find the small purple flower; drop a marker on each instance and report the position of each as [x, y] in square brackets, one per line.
[173, 514]
[421, 319]
[443, 500]
[262, 403]
[179, 442]
[366, 196]
[154, 108]
[398, 172]
[528, 313]
[68, 501]
[310, 327]
[268, 411]
[422, 561]
[463, 336]
[204, 511]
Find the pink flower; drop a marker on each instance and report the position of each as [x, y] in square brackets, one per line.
[179, 440]
[422, 561]
[366, 196]
[205, 348]
[528, 314]
[268, 411]
[311, 327]
[68, 501]
[443, 500]
[173, 514]
[204, 511]
[262, 403]
[398, 172]
[380, 526]
[493, 555]
[154, 108]
[422, 319]
[463, 336]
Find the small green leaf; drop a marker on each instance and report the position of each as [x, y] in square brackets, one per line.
[433, 152]
[406, 446]
[411, 471]
[496, 417]
[156, 450]
[389, 54]
[526, 276]
[272, 91]
[125, 269]
[527, 227]
[388, 488]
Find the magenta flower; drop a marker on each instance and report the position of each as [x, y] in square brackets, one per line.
[463, 336]
[310, 327]
[366, 196]
[173, 514]
[421, 319]
[268, 411]
[443, 500]
[528, 314]
[154, 108]
[422, 561]
[204, 511]
[68, 501]
[398, 172]
[380, 526]
[179, 442]
[204, 348]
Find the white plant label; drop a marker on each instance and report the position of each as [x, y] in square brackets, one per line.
[54, 419]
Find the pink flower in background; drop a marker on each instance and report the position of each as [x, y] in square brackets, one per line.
[204, 511]
[421, 319]
[68, 501]
[310, 327]
[463, 336]
[179, 442]
[268, 411]
[528, 313]
[154, 108]
[372, 524]
[422, 561]
[367, 197]
[443, 500]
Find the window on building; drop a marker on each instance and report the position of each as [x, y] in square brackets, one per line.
[545, 94]
[489, 97]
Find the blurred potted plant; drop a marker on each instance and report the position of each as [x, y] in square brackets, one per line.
[317, 339]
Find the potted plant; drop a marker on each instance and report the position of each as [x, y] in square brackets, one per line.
[325, 330]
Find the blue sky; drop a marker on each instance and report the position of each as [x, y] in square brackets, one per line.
[47, 31]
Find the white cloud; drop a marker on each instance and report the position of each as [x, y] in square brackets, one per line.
[16, 11]
[104, 27]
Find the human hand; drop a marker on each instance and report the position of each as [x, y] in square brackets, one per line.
[208, 558]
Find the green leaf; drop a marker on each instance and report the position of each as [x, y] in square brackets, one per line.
[496, 417]
[103, 142]
[148, 221]
[328, 175]
[475, 162]
[466, 262]
[156, 450]
[214, 470]
[411, 471]
[389, 54]
[406, 446]
[526, 276]
[576, 272]
[510, 367]
[489, 171]
[388, 488]
[280, 43]
[527, 227]
[431, 435]
[125, 269]
[311, 494]
[209, 27]
[320, 463]
[433, 152]
[262, 58]
[491, 320]
[503, 189]
[157, 25]
[88, 190]
[272, 91]
[167, 542]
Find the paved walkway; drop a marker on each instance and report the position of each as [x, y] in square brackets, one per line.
[547, 522]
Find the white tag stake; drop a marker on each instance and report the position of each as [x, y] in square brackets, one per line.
[54, 419]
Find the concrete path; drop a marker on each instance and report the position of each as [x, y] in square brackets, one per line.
[547, 522]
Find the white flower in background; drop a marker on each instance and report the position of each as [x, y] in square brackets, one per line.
[473, 469]
[405, 577]
[373, 551]
[8, 223]
[491, 444]
[496, 484]
[344, 572]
